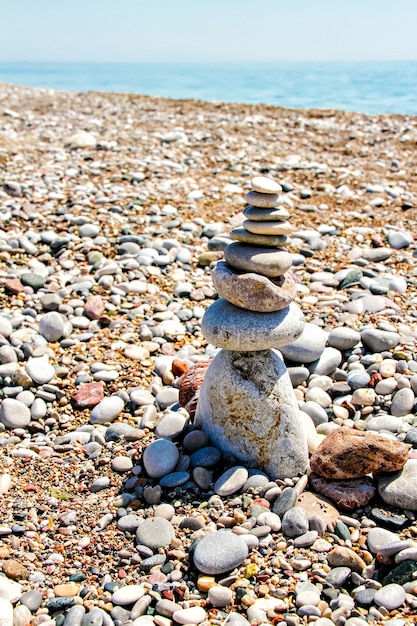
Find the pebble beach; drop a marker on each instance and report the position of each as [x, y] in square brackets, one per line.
[115, 509]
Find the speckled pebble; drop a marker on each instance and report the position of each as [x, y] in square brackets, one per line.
[402, 402]
[155, 532]
[219, 552]
[295, 522]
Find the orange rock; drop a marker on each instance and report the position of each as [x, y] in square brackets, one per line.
[179, 367]
[263, 590]
[205, 582]
[4, 552]
[15, 570]
[349, 453]
[66, 589]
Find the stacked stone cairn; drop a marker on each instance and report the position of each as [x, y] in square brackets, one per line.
[247, 405]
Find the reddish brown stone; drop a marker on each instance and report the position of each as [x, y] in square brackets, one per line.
[15, 570]
[88, 395]
[376, 377]
[13, 285]
[94, 307]
[190, 384]
[349, 453]
[179, 367]
[346, 494]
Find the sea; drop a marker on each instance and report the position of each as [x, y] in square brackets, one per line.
[368, 87]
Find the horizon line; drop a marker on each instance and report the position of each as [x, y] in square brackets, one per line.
[206, 61]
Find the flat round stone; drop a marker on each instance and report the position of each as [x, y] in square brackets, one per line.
[343, 338]
[258, 214]
[390, 596]
[244, 236]
[400, 489]
[264, 184]
[175, 479]
[338, 576]
[32, 599]
[128, 594]
[378, 538]
[160, 458]
[129, 523]
[252, 291]
[265, 200]
[230, 327]
[271, 227]
[202, 477]
[285, 501]
[206, 457]
[192, 615]
[379, 340]
[121, 464]
[265, 261]
[219, 552]
[403, 402]
[155, 532]
[52, 326]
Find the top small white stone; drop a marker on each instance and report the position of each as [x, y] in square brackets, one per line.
[263, 184]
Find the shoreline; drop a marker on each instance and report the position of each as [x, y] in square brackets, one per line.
[337, 85]
[199, 101]
[115, 204]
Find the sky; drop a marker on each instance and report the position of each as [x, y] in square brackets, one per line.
[208, 30]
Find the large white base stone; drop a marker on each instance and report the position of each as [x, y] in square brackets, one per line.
[247, 407]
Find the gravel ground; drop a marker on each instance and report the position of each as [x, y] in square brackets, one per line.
[112, 208]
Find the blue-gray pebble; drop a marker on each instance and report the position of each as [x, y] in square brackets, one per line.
[295, 522]
[219, 552]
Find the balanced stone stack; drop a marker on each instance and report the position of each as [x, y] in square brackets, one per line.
[247, 404]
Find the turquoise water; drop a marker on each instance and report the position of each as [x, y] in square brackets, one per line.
[377, 87]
